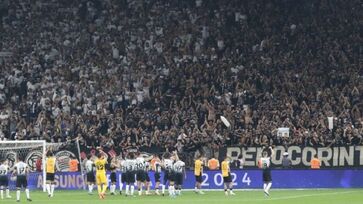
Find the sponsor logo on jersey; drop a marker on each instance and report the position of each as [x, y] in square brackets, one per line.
[32, 158]
[62, 160]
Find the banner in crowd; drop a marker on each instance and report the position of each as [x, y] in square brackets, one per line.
[242, 179]
[330, 157]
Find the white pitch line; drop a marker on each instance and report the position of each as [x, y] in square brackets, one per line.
[307, 195]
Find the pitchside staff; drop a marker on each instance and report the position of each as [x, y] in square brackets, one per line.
[4, 181]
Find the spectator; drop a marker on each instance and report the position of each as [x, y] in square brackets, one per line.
[238, 163]
[103, 72]
[315, 162]
[213, 164]
[286, 161]
[73, 164]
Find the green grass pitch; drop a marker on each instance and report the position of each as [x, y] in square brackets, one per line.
[331, 196]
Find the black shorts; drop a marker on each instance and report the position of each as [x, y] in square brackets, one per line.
[171, 176]
[4, 181]
[140, 176]
[198, 179]
[266, 176]
[179, 178]
[123, 177]
[49, 177]
[21, 181]
[168, 176]
[130, 177]
[91, 177]
[227, 179]
[157, 177]
[113, 177]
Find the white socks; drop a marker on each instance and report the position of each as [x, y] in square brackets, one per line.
[127, 189]
[112, 188]
[47, 186]
[171, 190]
[268, 186]
[26, 193]
[163, 189]
[17, 194]
[52, 190]
[132, 190]
[90, 188]
[2, 194]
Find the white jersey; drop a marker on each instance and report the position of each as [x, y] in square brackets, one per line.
[168, 164]
[21, 168]
[123, 166]
[4, 169]
[178, 166]
[130, 164]
[90, 166]
[265, 163]
[140, 164]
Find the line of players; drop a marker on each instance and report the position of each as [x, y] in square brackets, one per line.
[133, 169]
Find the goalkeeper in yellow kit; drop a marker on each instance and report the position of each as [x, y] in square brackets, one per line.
[101, 178]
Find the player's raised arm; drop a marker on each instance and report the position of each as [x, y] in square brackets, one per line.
[104, 154]
[176, 156]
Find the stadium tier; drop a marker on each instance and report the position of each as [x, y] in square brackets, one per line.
[236, 94]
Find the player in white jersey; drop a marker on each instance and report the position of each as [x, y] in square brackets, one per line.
[123, 174]
[168, 163]
[130, 174]
[140, 175]
[4, 181]
[179, 172]
[21, 170]
[264, 163]
[90, 171]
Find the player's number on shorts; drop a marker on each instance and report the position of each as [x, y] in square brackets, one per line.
[246, 179]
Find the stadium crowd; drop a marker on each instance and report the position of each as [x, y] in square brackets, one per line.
[159, 74]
